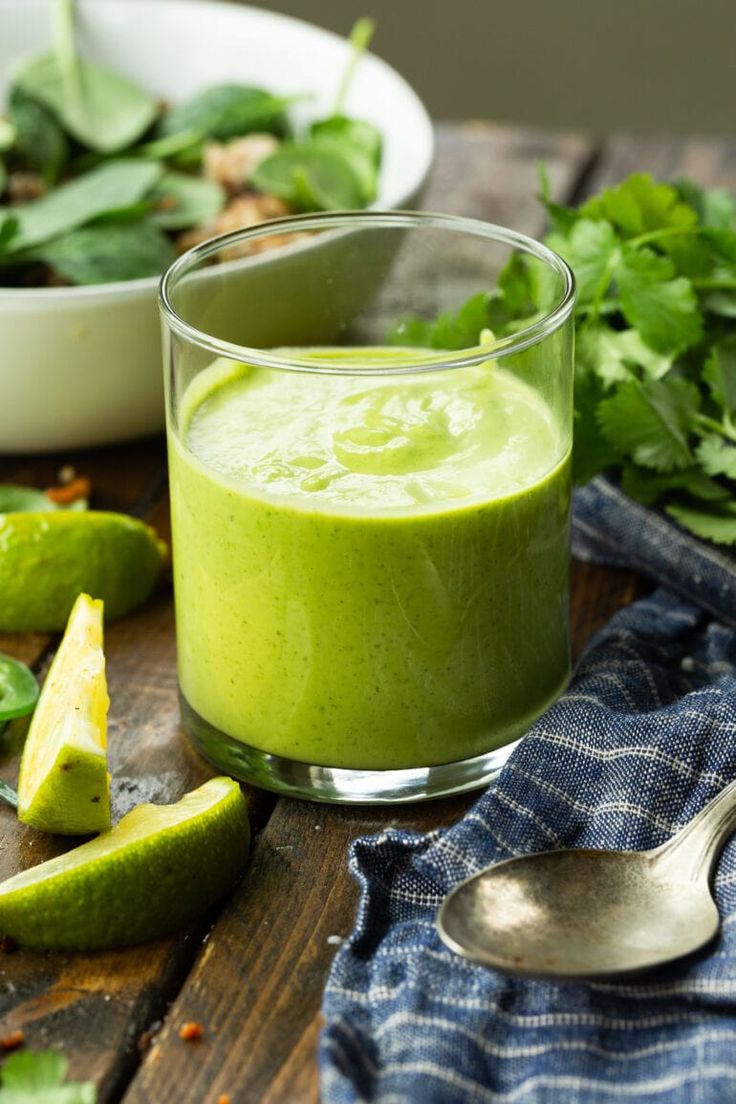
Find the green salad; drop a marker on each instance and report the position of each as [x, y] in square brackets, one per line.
[100, 181]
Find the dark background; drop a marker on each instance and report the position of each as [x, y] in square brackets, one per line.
[594, 64]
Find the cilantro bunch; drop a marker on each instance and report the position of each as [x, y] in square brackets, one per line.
[655, 362]
[655, 322]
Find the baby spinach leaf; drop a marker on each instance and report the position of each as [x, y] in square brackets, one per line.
[228, 111]
[105, 254]
[30, 1077]
[17, 499]
[114, 185]
[180, 201]
[101, 109]
[8, 227]
[39, 139]
[310, 176]
[356, 132]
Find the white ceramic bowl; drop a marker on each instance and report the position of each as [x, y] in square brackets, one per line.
[82, 366]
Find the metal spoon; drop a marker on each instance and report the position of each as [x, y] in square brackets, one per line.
[584, 913]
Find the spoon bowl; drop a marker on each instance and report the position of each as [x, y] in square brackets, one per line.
[573, 914]
[578, 914]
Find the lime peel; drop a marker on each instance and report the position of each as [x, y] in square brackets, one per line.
[159, 868]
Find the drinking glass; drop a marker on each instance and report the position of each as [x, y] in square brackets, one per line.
[369, 427]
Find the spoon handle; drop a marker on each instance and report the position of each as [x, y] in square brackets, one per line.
[693, 850]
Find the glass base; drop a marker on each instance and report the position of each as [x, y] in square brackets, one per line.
[338, 784]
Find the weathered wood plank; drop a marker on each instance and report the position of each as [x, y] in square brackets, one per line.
[257, 985]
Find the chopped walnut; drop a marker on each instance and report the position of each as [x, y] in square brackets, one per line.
[25, 186]
[233, 163]
[243, 211]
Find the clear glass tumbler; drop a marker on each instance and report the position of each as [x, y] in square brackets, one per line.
[369, 424]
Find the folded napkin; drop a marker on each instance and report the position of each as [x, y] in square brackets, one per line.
[644, 738]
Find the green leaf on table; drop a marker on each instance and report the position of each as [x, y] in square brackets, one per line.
[589, 249]
[228, 111]
[101, 109]
[110, 187]
[648, 487]
[715, 523]
[108, 253]
[664, 310]
[650, 421]
[639, 205]
[717, 456]
[310, 177]
[39, 139]
[181, 200]
[719, 373]
[30, 1077]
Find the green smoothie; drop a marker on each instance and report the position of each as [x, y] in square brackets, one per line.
[371, 571]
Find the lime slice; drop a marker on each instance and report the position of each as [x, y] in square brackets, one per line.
[47, 559]
[158, 869]
[63, 785]
[18, 689]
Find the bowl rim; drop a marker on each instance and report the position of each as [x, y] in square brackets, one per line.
[133, 288]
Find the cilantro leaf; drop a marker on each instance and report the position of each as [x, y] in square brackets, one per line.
[640, 205]
[715, 523]
[588, 250]
[591, 451]
[613, 354]
[664, 310]
[40, 1078]
[717, 456]
[719, 372]
[650, 421]
[647, 488]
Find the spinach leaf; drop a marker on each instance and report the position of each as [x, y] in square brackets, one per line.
[105, 254]
[310, 176]
[228, 111]
[355, 132]
[115, 185]
[7, 135]
[39, 139]
[101, 109]
[181, 201]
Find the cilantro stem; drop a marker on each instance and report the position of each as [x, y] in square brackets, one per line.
[714, 283]
[724, 429]
[666, 232]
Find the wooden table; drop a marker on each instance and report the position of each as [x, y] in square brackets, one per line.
[253, 974]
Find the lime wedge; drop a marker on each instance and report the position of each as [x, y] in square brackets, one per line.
[158, 869]
[47, 559]
[63, 785]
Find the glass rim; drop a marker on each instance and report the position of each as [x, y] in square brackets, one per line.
[434, 361]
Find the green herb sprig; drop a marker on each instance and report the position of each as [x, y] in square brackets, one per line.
[655, 321]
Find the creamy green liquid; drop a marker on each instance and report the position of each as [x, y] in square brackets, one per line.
[370, 572]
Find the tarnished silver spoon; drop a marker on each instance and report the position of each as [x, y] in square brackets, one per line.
[587, 914]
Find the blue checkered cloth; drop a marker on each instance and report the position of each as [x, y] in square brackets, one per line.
[644, 738]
